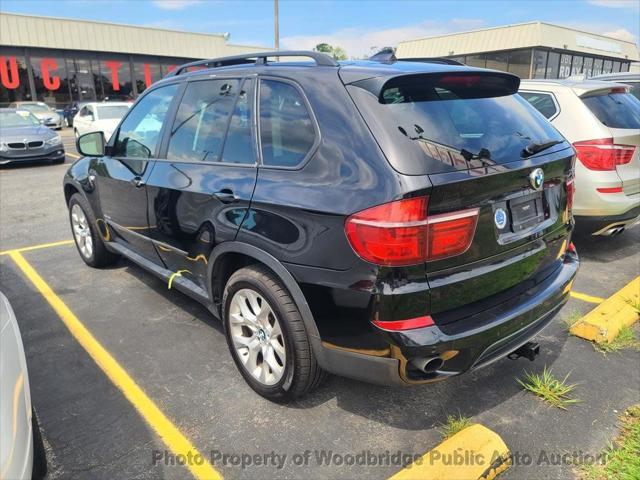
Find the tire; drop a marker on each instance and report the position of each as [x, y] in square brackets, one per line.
[86, 235]
[39, 455]
[291, 349]
[58, 161]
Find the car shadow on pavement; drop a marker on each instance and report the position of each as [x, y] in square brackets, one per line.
[606, 249]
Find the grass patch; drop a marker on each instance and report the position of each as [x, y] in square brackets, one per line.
[623, 457]
[453, 425]
[626, 340]
[635, 304]
[550, 389]
[573, 317]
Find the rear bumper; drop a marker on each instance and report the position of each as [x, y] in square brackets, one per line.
[602, 224]
[468, 344]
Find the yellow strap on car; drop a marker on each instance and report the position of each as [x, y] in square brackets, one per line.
[177, 274]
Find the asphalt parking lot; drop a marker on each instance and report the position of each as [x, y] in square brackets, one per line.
[176, 353]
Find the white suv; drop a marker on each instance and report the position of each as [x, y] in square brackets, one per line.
[602, 121]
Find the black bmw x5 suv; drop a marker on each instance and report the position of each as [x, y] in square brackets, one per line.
[397, 223]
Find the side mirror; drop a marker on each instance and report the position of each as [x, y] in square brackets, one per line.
[91, 144]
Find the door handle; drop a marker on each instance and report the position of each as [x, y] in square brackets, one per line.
[226, 195]
[138, 182]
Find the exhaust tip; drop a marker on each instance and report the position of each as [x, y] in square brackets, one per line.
[428, 364]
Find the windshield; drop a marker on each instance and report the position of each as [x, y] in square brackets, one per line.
[615, 110]
[437, 129]
[112, 112]
[17, 119]
[35, 107]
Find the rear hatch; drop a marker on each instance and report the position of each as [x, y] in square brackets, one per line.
[619, 111]
[470, 132]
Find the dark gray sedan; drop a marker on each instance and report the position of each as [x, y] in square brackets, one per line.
[24, 138]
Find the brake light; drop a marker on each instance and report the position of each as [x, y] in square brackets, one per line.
[397, 325]
[571, 191]
[401, 233]
[603, 154]
[609, 189]
[618, 90]
[460, 80]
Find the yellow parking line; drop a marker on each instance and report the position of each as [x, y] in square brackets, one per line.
[72, 155]
[37, 247]
[169, 433]
[472, 454]
[586, 298]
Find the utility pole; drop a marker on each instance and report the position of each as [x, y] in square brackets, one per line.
[276, 26]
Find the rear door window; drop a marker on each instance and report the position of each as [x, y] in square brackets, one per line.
[615, 110]
[543, 102]
[430, 125]
[201, 122]
[287, 131]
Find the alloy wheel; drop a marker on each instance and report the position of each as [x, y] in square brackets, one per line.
[257, 336]
[81, 231]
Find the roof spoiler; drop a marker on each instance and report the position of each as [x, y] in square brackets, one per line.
[469, 84]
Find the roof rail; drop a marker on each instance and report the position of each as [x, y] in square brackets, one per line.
[321, 59]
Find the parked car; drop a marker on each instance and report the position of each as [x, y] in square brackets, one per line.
[631, 79]
[94, 117]
[602, 120]
[398, 223]
[22, 452]
[119, 97]
[42, 111]
[24, 138]
[70, 111]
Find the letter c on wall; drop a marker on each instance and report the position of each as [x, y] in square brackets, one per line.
[50, 83]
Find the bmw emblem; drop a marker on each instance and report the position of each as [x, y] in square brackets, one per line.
[536, 178]
[500, 218]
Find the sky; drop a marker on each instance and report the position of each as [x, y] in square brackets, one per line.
[358, 26]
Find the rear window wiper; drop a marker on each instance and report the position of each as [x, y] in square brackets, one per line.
[534, 147]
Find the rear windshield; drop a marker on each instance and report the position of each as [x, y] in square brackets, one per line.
[615, 110]
[426, 128]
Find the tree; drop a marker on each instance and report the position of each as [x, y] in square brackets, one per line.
[337, 53]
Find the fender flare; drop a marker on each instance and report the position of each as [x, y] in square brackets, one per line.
[285, 277]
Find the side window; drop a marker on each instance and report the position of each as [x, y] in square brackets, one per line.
[201, 122]
[238, 146]
[286, 128]
[543, 102]
[139, 134]
[83, 112]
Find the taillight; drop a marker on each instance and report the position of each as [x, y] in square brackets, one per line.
[571, 191]
[609, 189]
[603, 154]
[401, 233]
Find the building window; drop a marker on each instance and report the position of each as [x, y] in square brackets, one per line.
[115, 77]
[587, 69]
[597, 67]
[576, 65]
[145, 73]
[476, 61]
[553, 65]
[565, 65]
[82, 79]
[520, 63]
[498, 61]
[539, 63]
[616, 67]
[624, 67]
[607, 66]
[14, 78]
[50, 80]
